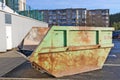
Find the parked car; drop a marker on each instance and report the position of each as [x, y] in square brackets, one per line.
[116, 34]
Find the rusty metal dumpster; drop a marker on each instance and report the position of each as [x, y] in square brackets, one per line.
[66, 51]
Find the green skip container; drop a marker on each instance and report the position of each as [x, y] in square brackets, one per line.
[62, 50]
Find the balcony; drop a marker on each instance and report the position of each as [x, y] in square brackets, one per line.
[63, 17]
[105, 13]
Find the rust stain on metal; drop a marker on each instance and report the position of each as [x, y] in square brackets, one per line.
[67, 63]
[34, 37]
[82, 37]
[91, 28]
[83, 47]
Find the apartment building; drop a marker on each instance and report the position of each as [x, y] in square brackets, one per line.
[16, 5]
[22, 5]
[98, 17]
[76, 17]
[65, 17]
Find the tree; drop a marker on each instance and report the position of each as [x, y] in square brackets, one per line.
[116, 25]
[114, 20]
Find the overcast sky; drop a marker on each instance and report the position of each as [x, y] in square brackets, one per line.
[113, 5]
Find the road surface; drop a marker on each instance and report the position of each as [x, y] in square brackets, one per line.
[110, 71]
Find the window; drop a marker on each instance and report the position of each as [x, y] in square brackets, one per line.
[8, 19]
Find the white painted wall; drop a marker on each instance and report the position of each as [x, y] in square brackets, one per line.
[2, 33]
[20, 27]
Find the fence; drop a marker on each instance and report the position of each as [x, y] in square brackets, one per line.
[35, 14]
[23, 9]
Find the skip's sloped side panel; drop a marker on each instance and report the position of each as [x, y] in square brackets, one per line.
[34, 37]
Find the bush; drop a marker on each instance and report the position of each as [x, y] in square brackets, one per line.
[116, 25]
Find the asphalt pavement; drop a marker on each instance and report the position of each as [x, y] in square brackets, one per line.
[9, 61]
[110, 70]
